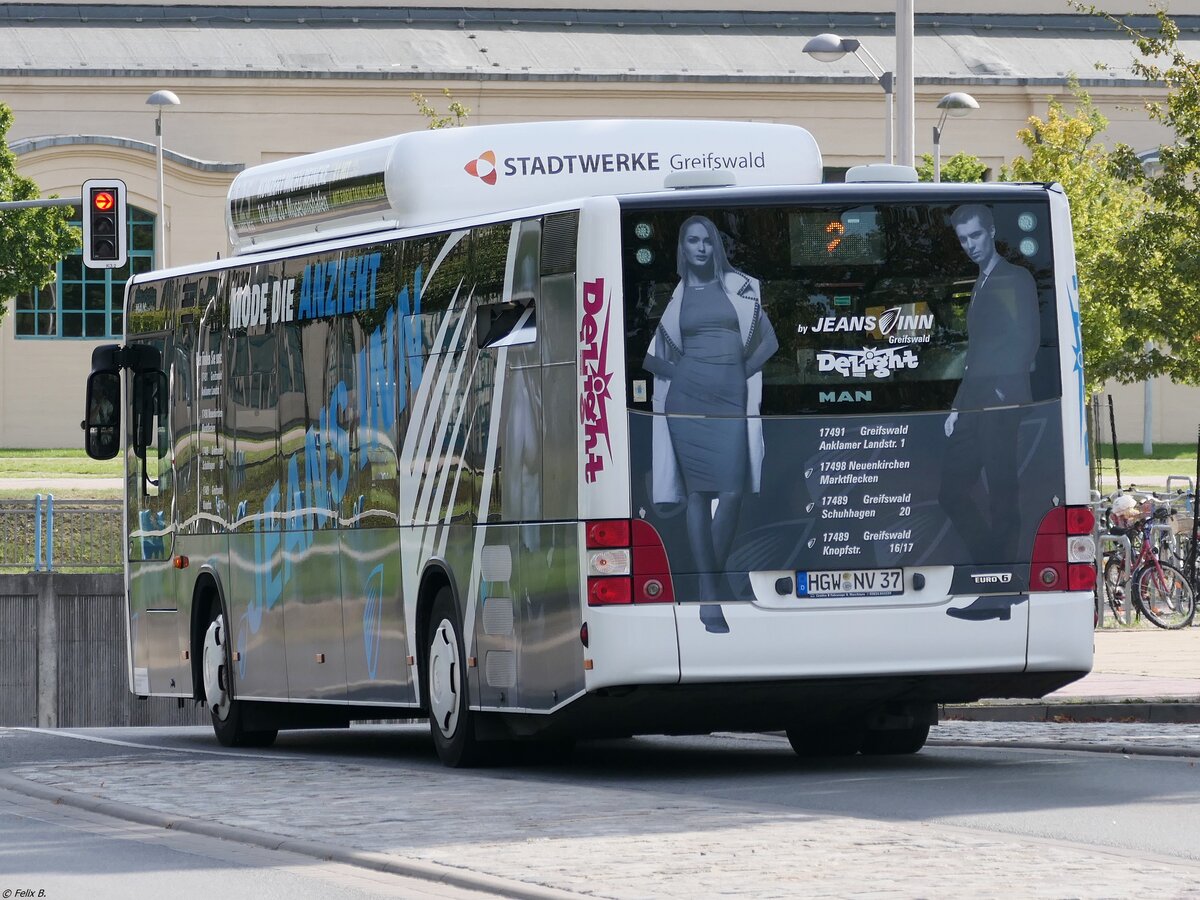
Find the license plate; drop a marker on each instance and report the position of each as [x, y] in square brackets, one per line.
[850, 583]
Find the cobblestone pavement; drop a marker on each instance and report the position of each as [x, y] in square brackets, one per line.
[1112, 737]
[617, 839]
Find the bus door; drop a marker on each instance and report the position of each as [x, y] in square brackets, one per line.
[255, 592]
[158, 665]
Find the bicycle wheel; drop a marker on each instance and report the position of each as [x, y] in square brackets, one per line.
[1164, 596]
[1173, 548]
[1115, 586]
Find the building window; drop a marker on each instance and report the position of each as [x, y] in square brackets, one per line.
[82, 302]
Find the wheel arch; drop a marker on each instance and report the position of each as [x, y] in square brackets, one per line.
[207, 593]
[437, 575]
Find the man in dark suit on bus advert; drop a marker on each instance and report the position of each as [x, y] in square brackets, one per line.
[1003, 333]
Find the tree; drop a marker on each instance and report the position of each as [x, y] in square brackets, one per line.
[457, 112]
[1156, 259]
[960, 168]
[32, 241]
[1119, 314]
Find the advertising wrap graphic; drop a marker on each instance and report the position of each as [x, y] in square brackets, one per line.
[880, 362]
[907, 414]
[865, 496]
[595, 394]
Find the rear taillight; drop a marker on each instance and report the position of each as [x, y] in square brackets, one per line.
[626, 563]
[609, 590]
[1080, 520]
[1064, 551]
[608, 533]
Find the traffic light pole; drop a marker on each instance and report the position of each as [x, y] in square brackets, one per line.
[103, 220]
[34, 204]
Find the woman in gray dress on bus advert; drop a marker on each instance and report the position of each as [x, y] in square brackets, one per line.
[707, 356]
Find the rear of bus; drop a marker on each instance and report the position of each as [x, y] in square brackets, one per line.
[834, 469]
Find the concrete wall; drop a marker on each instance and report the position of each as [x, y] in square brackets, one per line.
[63, 662]
[1174, 412]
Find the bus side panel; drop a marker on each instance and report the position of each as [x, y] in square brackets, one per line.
[154, 630]
[256, 616]
[373, 618]
[312, 615]
[528, 617]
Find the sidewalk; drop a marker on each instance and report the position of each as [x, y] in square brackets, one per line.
[1141, 674]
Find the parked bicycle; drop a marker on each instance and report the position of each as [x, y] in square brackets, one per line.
[1154, 582]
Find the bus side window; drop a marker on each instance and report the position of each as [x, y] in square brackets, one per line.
[513, 320]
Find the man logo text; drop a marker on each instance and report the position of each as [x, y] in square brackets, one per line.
[844, 396]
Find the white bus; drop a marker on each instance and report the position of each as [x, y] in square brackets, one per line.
[576, 429]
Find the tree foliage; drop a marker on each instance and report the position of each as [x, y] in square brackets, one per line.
[1119, 314]
[1159, 268]
[456, 112]
[960, 168]
[32, 241]
[1162, 251]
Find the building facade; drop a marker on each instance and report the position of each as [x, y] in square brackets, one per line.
[272, 80]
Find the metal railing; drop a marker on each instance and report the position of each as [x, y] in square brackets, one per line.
[45, 535]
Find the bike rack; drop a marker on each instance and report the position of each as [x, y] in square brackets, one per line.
[1122, 541]
[1184, 479]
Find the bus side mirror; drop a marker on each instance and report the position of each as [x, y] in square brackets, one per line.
[102, 427]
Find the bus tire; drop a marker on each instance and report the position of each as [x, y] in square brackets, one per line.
[895, 741]
[228, 715]
[451, 722]
[827, 740]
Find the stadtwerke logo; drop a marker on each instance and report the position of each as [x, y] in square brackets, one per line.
[483, 167]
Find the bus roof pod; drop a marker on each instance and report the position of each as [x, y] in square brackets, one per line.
[881, 173]
[427, 177]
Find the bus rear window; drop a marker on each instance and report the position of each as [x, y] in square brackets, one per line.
[856, 308]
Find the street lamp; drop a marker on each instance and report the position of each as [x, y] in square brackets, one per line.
[161, 99]
[953, 104]
[831, 48]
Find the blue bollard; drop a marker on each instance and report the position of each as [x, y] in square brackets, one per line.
[37, 532]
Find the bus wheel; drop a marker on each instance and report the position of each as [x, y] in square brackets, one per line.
[832, 739]
[450, 720]
[227, 714]
[895, 741]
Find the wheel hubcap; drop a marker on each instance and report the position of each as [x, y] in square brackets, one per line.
[216, 679]
[443, 678]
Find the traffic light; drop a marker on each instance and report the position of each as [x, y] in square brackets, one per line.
[105, 232]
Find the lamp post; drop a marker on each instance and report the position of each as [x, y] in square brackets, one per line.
[953, 104]
[831, 48]
[161, 99]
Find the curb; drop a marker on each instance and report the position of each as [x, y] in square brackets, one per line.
[380, 862]
[1104, 710]
[1080, 746]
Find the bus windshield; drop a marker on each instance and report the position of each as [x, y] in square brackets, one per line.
[867, 302]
